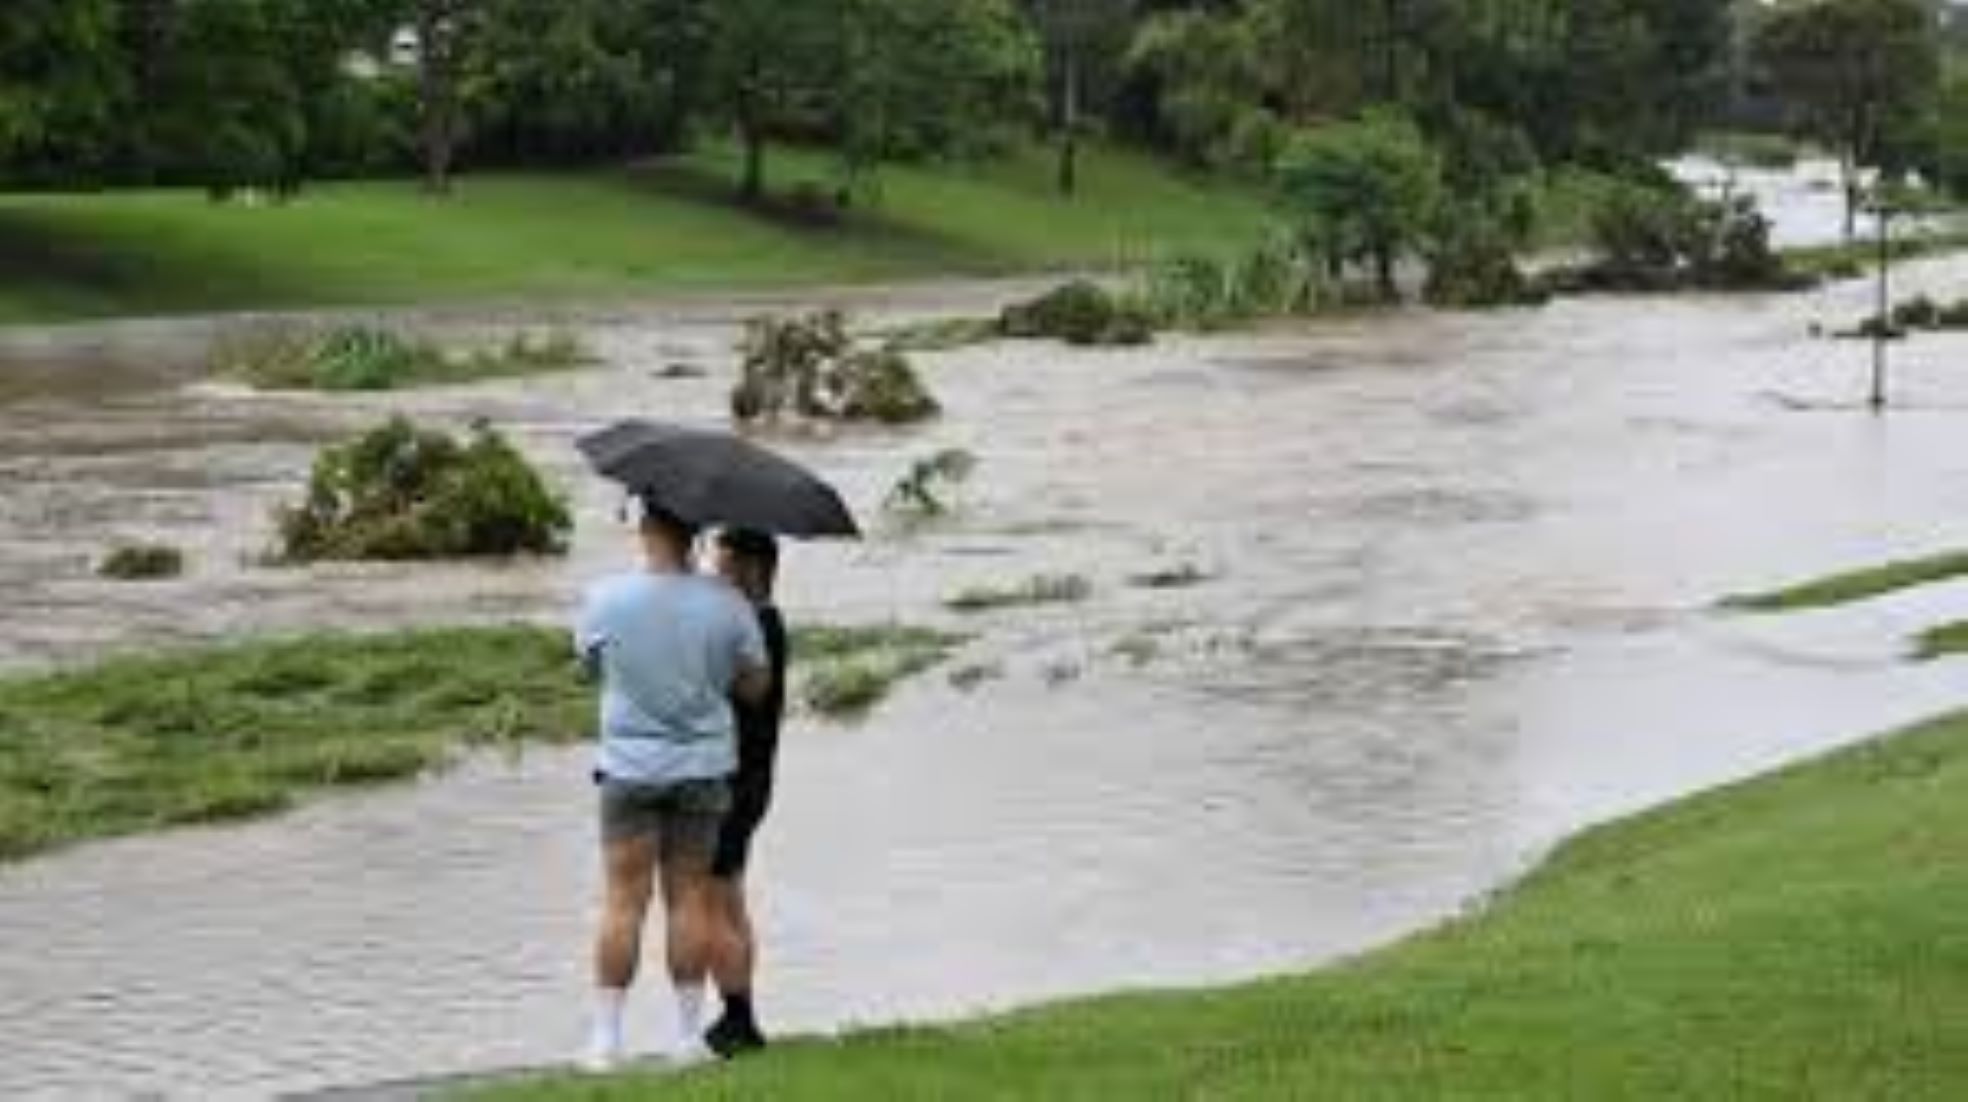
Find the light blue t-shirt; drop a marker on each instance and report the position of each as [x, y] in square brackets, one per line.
[667, 649]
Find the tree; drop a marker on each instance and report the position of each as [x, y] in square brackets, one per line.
[1209, 72]
[1364, 189]
[445, 32]
[878, 79]
[1852, 72]
[60, 80]
[771, 62]
[1084, 41]
[584, 79]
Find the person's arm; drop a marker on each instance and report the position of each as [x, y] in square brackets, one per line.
[589, 639]
[753, 684]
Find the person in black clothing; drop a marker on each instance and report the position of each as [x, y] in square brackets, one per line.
[750, 561]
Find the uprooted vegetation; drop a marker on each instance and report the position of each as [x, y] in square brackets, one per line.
[1079, 313]
[928, 490]
[287, 356]
[404, 492]
[138, 562]
[810, 368]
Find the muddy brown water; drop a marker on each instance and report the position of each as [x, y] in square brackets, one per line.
[1459, 572]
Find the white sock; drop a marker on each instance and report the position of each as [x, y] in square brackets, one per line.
[607, 1032]
[690, 1014]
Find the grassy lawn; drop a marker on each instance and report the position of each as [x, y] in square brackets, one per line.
[1799, 936]
[665, 228]
[1855, 585]
[138, 743]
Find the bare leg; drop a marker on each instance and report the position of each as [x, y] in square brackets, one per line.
[737, 950]
[630, 868]
[692, 920]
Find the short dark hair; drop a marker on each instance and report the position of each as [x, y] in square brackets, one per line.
[751, 544]
[659, 520]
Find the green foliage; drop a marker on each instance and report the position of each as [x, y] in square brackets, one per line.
[60, 80]
[1794, 937]
[1472, 263]
[1662, 239]
[928, 490]
[1196, 290]
[1045, 589]
[359, 358]
[1210, 72]
[1079, 313]
[1364, 190]
[1856, 75]
[1951, 134]
[401, 492]
[142, 562]
[809, 367]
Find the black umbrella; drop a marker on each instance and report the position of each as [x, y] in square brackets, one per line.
[714, 478]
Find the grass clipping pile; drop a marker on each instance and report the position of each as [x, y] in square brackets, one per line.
[810, 369]
[401, 492]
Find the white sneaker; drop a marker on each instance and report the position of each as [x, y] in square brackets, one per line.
[599, 1058]
[690, 1053]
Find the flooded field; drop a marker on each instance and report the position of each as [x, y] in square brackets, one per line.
[1458, 571]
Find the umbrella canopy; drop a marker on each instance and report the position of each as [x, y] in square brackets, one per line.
[712, 478]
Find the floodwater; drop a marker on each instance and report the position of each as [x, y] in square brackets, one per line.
[1460, 571]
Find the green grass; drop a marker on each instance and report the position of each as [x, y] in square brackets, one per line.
[1045, 589]
[596, 234]
[138, 743]
[1855, 585]
[1800, 936]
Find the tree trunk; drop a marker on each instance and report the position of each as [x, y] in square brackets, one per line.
[751, 134]
[1069, 124]
[437, 81]
[1390, 291]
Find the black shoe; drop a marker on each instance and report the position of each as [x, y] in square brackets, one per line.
[731, 1038]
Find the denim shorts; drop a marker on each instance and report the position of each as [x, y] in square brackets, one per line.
[681, 817]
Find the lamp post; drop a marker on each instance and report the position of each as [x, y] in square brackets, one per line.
[1881, 207]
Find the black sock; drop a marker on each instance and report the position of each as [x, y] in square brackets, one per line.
[738, 1009]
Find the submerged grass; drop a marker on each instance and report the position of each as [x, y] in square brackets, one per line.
[281, 356]
[139, 743]
[1045, 589]
[1855, 585]
[1798, 936]
[1942, 642]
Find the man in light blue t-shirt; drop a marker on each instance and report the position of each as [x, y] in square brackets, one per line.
[671, 649]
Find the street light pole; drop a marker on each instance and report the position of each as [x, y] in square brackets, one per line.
[1883, 326]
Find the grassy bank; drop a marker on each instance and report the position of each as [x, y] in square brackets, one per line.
[1799, 936]
[139, 743]
[1849, 587]
[603, 233]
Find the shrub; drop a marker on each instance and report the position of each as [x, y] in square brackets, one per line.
[401, 492]
[1661, 239]
[1079, 313]
[1199, 291]
[1472, 262]
[809, 367]
[142, 562]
